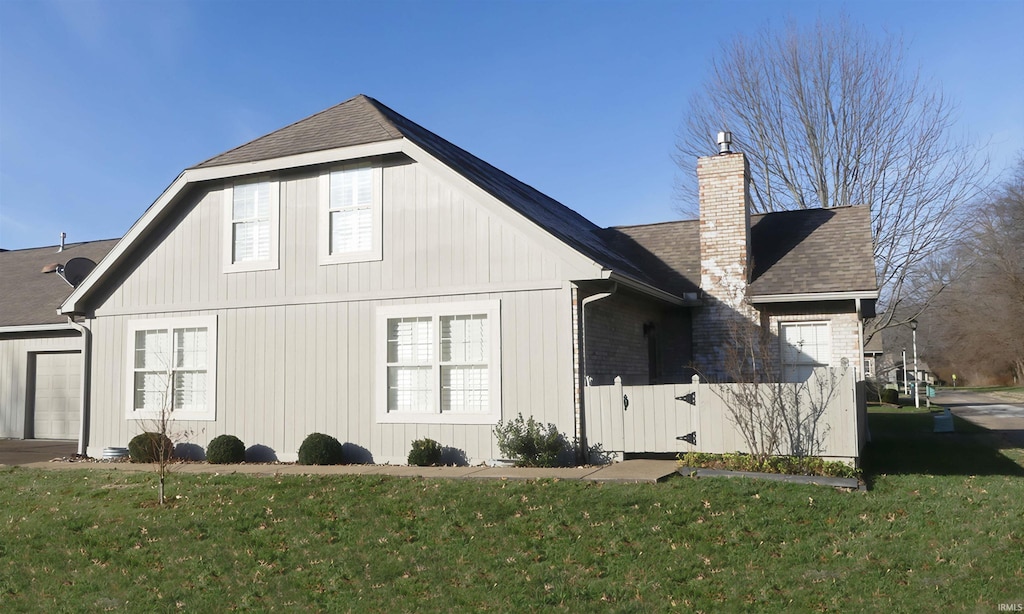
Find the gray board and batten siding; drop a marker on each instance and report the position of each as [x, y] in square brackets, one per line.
[296, 350]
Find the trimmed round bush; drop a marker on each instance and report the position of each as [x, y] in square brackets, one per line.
[225, 449]
[891, 396]
[320, 449]
[425, 453]
[146, 448]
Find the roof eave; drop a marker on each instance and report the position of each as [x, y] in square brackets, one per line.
[805, 297]
[658, 293]
[35, 328]
[72, 305]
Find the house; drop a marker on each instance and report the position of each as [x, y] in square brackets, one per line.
[874, 358]
[355, 274]
[41, 365]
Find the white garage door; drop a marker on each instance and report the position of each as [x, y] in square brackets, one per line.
[58, 390]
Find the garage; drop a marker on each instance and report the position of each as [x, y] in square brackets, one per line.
[57, 394]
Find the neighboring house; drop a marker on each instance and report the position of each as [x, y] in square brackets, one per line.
[41, 374]
[874, 358]
[922, 373]
[355, 274]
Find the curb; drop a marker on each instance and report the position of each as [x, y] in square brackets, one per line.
[817, 480]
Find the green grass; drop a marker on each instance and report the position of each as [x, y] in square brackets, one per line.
[941, 528]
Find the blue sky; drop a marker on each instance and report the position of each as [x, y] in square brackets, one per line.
[102, 104]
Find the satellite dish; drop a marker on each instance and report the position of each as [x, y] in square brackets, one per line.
[76, 270]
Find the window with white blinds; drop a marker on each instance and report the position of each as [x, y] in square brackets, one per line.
[806, 346]
[252, 223]
[352, 215]
[440, 363]
[172, 368]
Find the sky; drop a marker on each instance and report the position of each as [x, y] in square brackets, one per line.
[104, 103]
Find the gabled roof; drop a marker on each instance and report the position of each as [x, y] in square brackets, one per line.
[356, 121]
[810, 251]
[363, 120]
[31, 297]
[363, 127]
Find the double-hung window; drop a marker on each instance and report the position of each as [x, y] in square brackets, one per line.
[251, 223]
[439, 363]
[806, 346]
[350, 215]
[172, 368]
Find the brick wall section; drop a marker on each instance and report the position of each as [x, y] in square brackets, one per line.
[724, 257]
[617, 346]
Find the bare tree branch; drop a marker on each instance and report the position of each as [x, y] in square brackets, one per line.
[830, 117]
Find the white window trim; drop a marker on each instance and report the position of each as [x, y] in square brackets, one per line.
[376, 251]
[228, 239]
[207, 322]
[492, 309]
[783, 342]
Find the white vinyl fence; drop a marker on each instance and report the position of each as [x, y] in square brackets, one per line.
[664, 418]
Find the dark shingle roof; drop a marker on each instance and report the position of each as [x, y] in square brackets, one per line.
[32, 297]
[353, 122]
[669, 251]
[812, 250]
[363, 120]
[793, 252]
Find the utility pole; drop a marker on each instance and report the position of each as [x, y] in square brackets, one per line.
[917, 372]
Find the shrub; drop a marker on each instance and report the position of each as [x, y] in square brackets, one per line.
[425, 453]
[225, 449]
[146, 448]
[320, 449]
[789, 465]
[891, 396]
[529, 443]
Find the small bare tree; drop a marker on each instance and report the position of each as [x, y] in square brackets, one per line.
[159, 430]
[774, 417]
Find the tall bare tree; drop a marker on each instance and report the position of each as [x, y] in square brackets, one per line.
[831, 116]
[976, 327]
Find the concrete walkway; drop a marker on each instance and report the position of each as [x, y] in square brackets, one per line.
[631, 471]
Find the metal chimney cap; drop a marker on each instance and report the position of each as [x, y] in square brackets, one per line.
[724, 142]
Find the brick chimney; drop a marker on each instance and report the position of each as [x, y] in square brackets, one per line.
[724, 226]
[724, 190]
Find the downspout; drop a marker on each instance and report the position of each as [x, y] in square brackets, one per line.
[861, 416]
[83, 415]
[860, 337]
[582, 426]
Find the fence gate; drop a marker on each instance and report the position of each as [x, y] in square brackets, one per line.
[641, 418]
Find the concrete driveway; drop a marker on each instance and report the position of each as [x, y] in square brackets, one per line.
[24, 451]
[1005, 418]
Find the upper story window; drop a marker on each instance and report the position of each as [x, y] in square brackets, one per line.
[251, 224]
[350, 215]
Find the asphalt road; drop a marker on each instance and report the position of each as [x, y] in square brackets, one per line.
[1004, 417]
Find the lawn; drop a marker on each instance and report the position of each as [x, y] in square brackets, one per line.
[941, 528]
